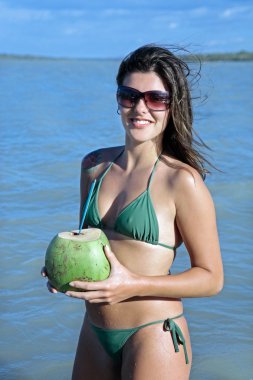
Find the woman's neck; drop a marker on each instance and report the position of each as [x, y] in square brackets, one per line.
[139, 156]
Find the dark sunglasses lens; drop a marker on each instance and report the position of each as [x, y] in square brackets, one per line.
[126, 97]
[157, 101]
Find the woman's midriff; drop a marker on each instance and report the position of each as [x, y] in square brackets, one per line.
[132, 313]
[143, 259]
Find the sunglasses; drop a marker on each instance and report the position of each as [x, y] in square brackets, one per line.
[128, 97]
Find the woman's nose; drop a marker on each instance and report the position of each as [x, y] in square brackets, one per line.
[141, 106]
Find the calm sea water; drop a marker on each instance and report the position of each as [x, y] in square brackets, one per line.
[51, 114]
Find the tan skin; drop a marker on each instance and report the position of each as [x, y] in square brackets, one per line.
[139, 289]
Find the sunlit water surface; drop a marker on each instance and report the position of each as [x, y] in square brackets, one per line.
[51, 114]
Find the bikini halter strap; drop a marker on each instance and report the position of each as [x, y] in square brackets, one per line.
[118, 156]
[110, 165]
[153, 171]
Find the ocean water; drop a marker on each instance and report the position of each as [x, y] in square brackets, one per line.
[52, 112]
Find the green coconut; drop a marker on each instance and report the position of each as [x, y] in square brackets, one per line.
[72, 256]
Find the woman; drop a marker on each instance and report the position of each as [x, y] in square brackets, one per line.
[148, 199]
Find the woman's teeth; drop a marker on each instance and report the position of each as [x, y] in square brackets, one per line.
[140, 122]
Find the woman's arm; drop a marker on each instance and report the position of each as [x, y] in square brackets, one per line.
[196, 221]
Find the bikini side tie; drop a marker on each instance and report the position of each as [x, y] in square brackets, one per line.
[177, 335]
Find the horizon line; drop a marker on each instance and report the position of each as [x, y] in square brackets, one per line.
[239, 55]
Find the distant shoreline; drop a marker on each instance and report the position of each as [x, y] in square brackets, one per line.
[208, 57]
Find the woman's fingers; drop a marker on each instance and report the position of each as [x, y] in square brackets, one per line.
[50, 288]
[110, 256]
[91, 296]
[43, 272]
[87, 286]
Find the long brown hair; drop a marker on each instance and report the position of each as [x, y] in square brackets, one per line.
[178, 140]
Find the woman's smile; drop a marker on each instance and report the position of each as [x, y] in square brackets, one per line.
[140, 123]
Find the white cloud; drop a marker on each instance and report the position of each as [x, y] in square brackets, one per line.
[115, 12]
[8, 13]
[225, 42]
[219, 42]
[70, 31]
[23, 14]
[71, 13]
[173, 25]
[231, 12]
[238, 39]
[198, 11]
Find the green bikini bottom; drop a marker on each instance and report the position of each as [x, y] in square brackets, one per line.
[113, 340]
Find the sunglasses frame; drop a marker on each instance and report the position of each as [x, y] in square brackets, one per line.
[137, 95]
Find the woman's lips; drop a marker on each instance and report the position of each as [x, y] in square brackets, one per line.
[140, 123]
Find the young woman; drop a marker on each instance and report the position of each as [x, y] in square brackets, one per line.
[148, 199]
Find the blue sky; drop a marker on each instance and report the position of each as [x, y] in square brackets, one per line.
[112, 28]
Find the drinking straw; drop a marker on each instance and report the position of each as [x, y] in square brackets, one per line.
[87, 205]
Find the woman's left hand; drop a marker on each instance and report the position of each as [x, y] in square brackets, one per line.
[119, 286]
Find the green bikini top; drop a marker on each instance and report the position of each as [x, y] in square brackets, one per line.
[137, 220]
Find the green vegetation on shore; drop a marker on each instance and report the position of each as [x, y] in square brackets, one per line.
[209, 57]
[239, 56]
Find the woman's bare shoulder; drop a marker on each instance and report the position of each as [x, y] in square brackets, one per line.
[187, 188]
[182, 177]
[96, 160]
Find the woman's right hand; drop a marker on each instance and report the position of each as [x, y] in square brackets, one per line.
[49, 286]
